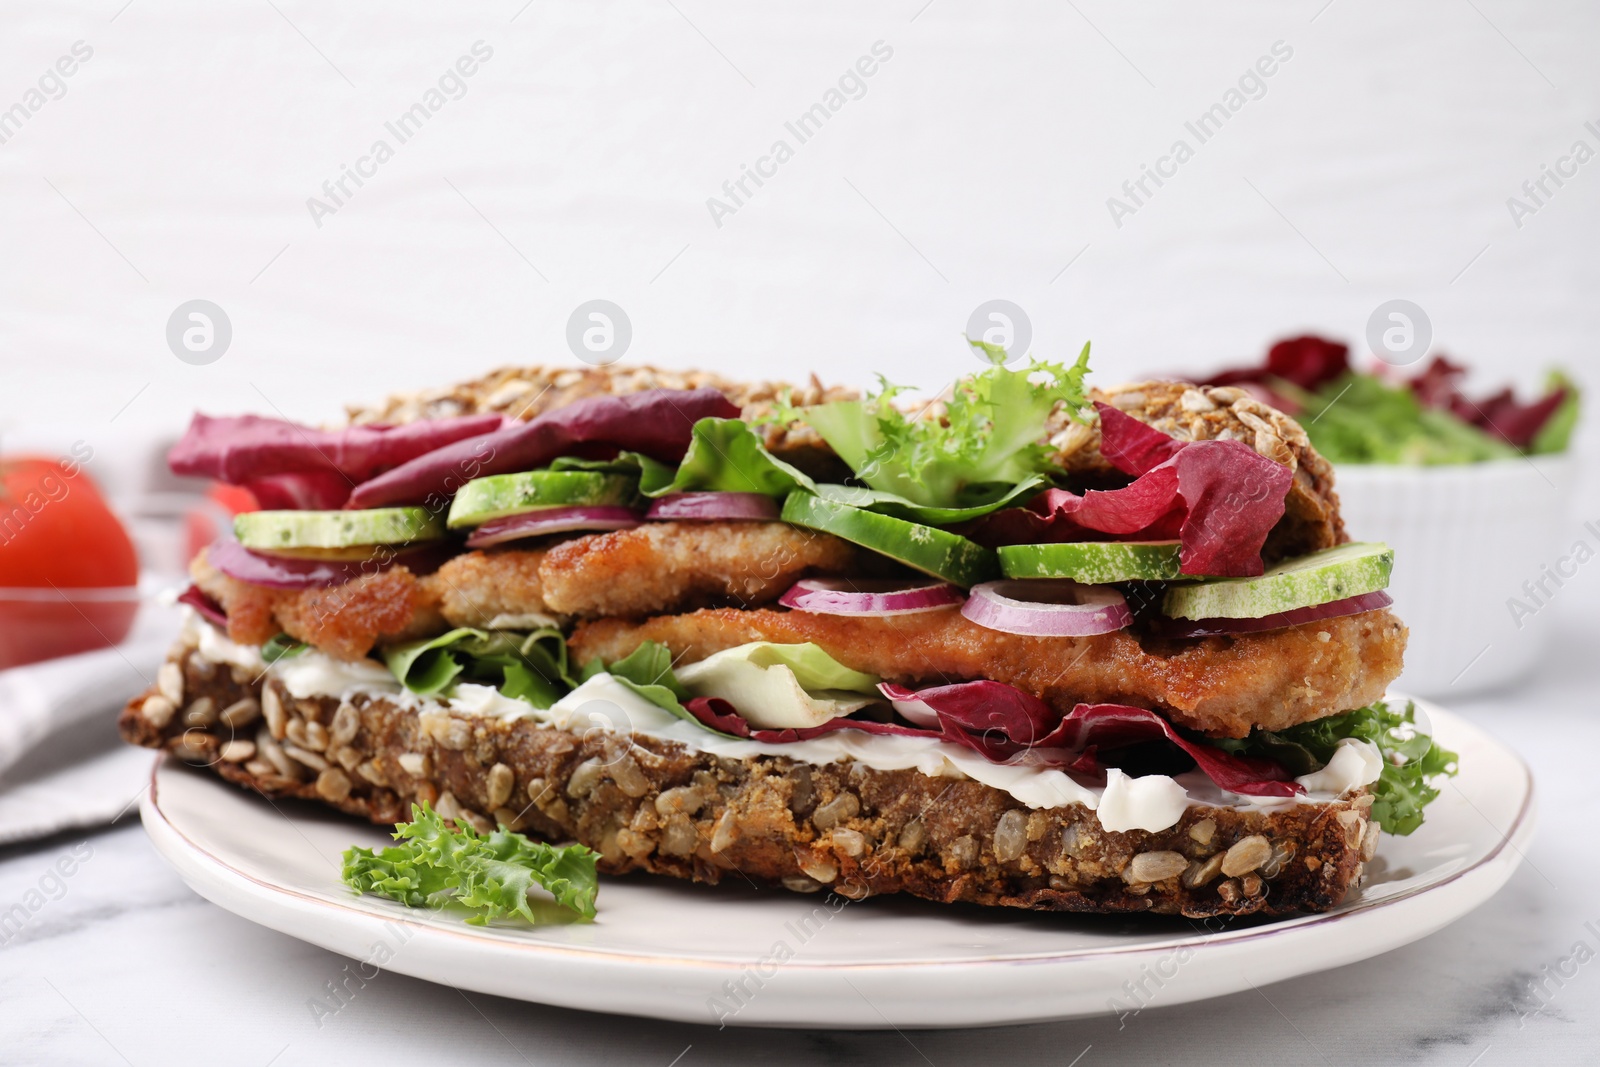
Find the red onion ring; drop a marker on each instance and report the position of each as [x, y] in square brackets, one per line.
[844, 596]
[284, 572]
[715, 507]
[1052, 607]
[552, 520]
[1185, 628]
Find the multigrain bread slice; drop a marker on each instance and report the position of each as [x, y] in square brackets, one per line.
[647, 804]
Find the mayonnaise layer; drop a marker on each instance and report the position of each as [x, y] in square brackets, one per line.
[1151, 803]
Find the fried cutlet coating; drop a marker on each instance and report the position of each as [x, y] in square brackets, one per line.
[485, 589]
[345, 621]
[667, 566]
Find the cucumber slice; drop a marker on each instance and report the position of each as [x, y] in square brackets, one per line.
[1094, 562]
[943, 555]
[286, 531]
[499, 495]
[1320, 578]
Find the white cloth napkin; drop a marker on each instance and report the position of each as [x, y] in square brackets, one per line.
[62, 766]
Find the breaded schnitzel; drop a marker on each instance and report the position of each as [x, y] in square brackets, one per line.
[345, 621]
[665, 566]
[660, 567]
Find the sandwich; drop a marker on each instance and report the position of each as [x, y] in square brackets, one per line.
[1031, 644]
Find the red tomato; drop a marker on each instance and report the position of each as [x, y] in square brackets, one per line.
[55, 529]
[56, 533]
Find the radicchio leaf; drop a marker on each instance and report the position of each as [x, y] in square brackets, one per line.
[1313, 362]
[308, 491]
[658, 423]
[1309, 362]
[205, 606]
[1005, 725]
[247, 448]
[1219, 498]
[1026, 729]
[1439, 386]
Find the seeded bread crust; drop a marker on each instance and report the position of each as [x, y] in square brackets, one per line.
[651, 805]
[1208, 413]
[527, 392]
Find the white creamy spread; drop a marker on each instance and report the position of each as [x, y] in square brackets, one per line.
[1355, 762]
[216, 647]
[1151, 803]
[312, 674]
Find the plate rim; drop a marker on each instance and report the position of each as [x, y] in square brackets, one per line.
[150, 810]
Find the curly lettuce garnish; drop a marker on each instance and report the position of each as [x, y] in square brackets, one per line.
[488, 874]
[1411, 758]
[988, 442]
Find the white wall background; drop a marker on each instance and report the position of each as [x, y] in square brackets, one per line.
[978, 164]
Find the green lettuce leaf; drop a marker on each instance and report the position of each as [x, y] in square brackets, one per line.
[1359, 418]
[816, 681]
[1556, 434]
[651, 472]
[782, 686]
[647, 670]
[727, 456]
[999, 496]
[813, 668]
[648, 667]
[531, 666]
[282, 646]
[988, 442]
[488, 874]
[1411, 759]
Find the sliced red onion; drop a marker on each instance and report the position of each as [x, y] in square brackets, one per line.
[846, 596]
[1053, 607]
[1355, 605]
[285, 572]
[551, 521]
[715, 507]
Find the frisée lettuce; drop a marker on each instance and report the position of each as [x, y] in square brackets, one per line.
[988, 442]
[488, 874]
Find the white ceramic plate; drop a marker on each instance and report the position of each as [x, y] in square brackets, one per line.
[750, 957]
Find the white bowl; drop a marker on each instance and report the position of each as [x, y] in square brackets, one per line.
[1466, 539]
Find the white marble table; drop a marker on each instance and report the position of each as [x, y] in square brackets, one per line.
[127, 964]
